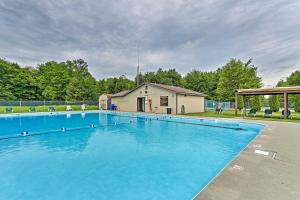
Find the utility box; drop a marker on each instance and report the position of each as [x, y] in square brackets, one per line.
[169, 110]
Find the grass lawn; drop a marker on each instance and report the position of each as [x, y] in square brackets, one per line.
[24, 109]
[259, 116]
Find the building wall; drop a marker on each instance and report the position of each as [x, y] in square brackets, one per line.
[191, 103]
[104, 102]
[152, 94]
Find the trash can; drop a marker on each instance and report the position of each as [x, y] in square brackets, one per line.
[112, 107]
[169, 110]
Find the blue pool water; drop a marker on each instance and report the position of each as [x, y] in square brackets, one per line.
[124, 157]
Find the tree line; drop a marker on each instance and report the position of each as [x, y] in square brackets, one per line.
[68, 80]
[71, 80]
[291, 80]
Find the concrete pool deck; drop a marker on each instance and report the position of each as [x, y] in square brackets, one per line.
[253, 176]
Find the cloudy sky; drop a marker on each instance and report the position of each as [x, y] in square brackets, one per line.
[181, 34]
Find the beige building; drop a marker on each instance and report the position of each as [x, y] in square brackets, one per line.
[104, 101]
[158, 98]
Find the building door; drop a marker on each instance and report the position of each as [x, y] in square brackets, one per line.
[141, 104]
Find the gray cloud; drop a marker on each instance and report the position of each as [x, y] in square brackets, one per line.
[183, 34]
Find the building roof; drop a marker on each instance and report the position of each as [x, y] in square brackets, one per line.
[269, 91]
[177, 90]
[120, 94]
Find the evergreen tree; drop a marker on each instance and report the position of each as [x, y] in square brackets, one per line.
[256, 102]
[240, 101]
[274, 103]
[297, 103]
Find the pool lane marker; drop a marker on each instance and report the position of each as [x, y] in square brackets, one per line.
[62, 130]
[216, 126]
[167, 119]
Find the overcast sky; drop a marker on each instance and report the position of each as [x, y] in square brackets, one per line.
[181, 34]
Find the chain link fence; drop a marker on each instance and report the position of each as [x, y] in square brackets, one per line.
[44, 106]
[46, 103]
[212, 105]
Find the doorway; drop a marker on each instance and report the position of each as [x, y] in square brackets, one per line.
[141, 104]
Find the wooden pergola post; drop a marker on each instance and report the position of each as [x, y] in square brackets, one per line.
[286, 104]
[244, 101]
[236, 102]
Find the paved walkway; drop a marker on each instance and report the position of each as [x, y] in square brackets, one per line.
[257, 177]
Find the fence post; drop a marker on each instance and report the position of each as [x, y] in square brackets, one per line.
[20, 104]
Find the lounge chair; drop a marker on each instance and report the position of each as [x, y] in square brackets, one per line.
[289, 114]
[268, 113]
[252, 112]
[69, 108]
[83, 107]
[51, 109]
[32, 109]
[8, 109]
[219, 108]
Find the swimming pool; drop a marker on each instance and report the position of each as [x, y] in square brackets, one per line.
[105, 155]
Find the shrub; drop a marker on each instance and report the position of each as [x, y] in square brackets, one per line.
[297, 103]
[256, 103]
[274, 103]
[240, 105]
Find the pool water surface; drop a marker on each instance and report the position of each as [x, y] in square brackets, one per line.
[114, 156]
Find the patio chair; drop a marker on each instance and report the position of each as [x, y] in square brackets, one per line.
[83, 107]
[69, 108]
[252, 112]
[268, 113]
[8, 109]
[289, 114]
[219, 108]
[32, 109]
[51, 109]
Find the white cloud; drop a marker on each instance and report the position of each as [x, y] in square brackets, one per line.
[183, 34]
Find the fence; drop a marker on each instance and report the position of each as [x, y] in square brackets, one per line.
[45, 103]
[212, 105]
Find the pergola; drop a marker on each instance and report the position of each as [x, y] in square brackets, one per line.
[285, 91]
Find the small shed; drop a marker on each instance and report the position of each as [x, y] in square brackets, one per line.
[159, 98]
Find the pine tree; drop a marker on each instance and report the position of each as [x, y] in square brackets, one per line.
[274, 103]
[297, 103]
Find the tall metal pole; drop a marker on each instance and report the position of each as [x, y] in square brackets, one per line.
[138, 67]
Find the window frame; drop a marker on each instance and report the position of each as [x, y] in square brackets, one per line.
[164, 101]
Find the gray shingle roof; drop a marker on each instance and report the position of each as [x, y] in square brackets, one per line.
[178, 90]
[175, 89]
[120, 94]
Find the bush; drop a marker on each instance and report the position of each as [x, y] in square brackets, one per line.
[256, 103]
[274, 103]
[297, 103]
[240, 105]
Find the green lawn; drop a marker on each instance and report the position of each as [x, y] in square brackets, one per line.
[24, 109]
[260, 115]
